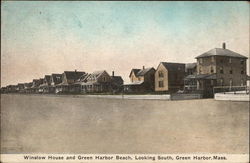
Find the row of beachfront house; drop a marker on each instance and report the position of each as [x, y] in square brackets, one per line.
[217, 67]
[70, 82]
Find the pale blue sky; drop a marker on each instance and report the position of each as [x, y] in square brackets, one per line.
[41, 38]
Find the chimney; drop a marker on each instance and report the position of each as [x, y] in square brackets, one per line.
[75, 70]
[143, 67]
[113, 73]
[224, 45]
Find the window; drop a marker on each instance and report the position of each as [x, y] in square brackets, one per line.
[161, 75]
[221, 70]
[231, 71]
[200, 70]
[242, 61]
[242, 72]
[230, 60]
[230, 82]
[242, 82]
[221, 82]
[200, 60]
[212, 69]
[161, 84]
[212, 82]
[212, 59]
[104, 79]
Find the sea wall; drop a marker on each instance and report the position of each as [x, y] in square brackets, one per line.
[231, 96]
[137, 97]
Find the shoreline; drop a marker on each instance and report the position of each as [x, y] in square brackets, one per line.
[162, 97]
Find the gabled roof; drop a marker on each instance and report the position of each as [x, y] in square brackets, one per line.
[141, 72]
[221, 52]
[116, 79]
[47, 78]
[56, 77]
[170, 66]
[135, 70]
[28, 84]
[83, 78]
[95, 74]
[73, 75]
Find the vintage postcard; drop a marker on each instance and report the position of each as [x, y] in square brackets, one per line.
[125, 81]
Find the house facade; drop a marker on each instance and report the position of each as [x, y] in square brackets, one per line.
[169, 77]
[4, 90]
[55, 80]
[20, 87]
[190, 69]
[11, 88]
[35, 85]
[68, 84]
[96, 82]
[218, 67]
[116, 83]
[141, 81]
[46, 86]
[27, 87]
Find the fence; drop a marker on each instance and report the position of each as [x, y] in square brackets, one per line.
[231, 89]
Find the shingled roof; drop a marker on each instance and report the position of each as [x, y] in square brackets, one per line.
[221, 52]
[116, 79]
[173, 66]
[47, 78]
[141, 72]
[135, 70]
[73, 75]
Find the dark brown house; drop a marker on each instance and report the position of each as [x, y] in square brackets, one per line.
[116, 83]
